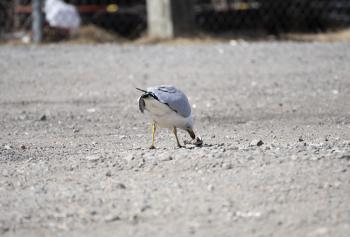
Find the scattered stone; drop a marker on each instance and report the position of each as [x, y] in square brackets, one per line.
[120, 186]
[227, 166]
[345, 157]
[43, 117]
[4, 229]
[145, 207]
[337, 184]
[319, 232]
[93, 157]
[134, 219]
[129, 157]
[165, 157]
[108, 173]
[5, 173]
[256, 142]
[210, 188]
[8, 147]
[248, 214]
[93, 212]
[111, 218]
[91, 110]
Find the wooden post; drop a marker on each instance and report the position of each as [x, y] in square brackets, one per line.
[170, 18]
[37, 21]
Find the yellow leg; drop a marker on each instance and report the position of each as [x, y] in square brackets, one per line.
[153, 135]
[177, 139]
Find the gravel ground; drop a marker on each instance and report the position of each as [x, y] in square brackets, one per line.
[74, 157]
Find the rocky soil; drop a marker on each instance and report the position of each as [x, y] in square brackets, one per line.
[274, 118]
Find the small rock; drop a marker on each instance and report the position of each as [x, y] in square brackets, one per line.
[108, 173]
[227, 166]
[345, 157]
[92, 157]
[91, 110]
[43, 117]
[166, 157]
[5, 173]
[319, 232]
[23, 147]
[129, 157]
[93, 212]
[300, 139]
[8, 147]
[210, 188]
[4, 229]
[145, 207]
[120, 186]
[111, 218]
[76, 130]
[337, 184]
[256, 142]
[134, 219]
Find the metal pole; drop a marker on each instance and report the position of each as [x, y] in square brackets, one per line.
[37, 21]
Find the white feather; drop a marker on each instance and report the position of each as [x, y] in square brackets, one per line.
[166, 117]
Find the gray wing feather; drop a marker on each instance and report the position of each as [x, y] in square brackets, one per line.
[173, 97]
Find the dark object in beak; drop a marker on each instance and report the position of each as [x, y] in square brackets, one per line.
[144, 91]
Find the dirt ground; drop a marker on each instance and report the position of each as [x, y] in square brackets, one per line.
[74, 157]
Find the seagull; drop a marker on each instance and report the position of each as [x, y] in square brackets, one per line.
[168, 107]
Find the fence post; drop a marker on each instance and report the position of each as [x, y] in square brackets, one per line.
[37, 21]
[170, 18]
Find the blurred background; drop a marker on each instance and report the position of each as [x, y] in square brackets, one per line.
[128, 20]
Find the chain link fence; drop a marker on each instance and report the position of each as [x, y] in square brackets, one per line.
[272, 16]
[128, 18]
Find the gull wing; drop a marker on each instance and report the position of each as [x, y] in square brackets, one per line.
[174, 98]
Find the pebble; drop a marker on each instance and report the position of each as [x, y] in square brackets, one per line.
[93, 157]
[210, 188]
[321, 231]
[345, 157]
[5, 173]
[120, 186]
[8, 147]
[256, 142]
[227, 166]
[43, 117]
[129, 157]
[165, 157]
[111, 218]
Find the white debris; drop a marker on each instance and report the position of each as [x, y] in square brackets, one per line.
[62, 15]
